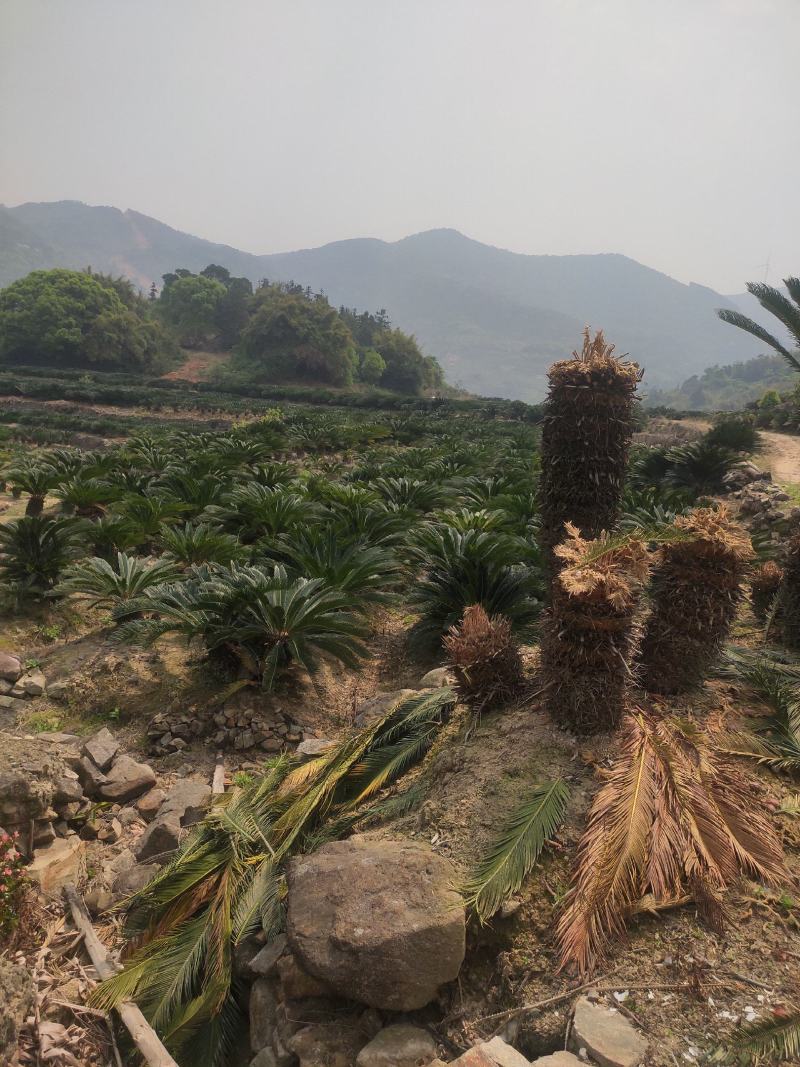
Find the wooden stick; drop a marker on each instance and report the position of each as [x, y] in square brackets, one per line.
[144, 1036]
[218, 782]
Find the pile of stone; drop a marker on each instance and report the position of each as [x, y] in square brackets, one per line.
[17, 683]
[762, 508]
[745, 473]
[236, 725]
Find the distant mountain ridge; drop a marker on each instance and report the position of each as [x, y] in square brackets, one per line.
[495, 319]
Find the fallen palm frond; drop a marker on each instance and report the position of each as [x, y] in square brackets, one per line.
[674, 817]
[590, 632]
[515, 850]
[777, 1037]
[694, 594]
[226, 880]
[586, 438]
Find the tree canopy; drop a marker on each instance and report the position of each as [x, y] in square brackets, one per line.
[70, 317]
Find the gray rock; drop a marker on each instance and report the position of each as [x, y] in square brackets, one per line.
[607, 1035]
[127, 779]
[380, 705]
[315, 746]
[91, 778]
[436, 678]
[377, 920]
[162, 835]
[263, 1012]
[399, 1045]
[101, 748]
[559, 1059]
[9, 703]
[130, 817]
[494, 1053]
[17, 995]
[187, 802]
[133, 879]
[56, 864]
[296, 982]
[67, 789]
[33, 684]
[148, 804]
[327, 1044]
[265, 962]
[10, 667]
[265, 1058]
[58, 690]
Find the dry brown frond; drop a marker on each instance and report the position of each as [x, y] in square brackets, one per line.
[589, 634]
[694, 594]
[484, 658]
[674, 817]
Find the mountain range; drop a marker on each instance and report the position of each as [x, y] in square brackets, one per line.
[495, 319]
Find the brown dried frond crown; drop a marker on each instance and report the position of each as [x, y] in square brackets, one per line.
[595, 361]
[606, 568]
[484, 657]
[715, 529]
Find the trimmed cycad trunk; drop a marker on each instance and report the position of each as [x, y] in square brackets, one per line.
[764, 584]
[586, 437]
[790, 594]
[695, 591]
[590, 632]
[484, 658]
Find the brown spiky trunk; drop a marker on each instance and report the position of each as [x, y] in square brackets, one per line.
[764, 584]
[484, 658]
[790, 594]
[590, 632]
[586, 438]
[695, 592]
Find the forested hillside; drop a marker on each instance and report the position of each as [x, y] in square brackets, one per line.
[494, 319]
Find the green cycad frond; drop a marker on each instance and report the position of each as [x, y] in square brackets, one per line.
[776, 738]
[735, 318]
[790, 806]
[778, 1037]
[516, 849]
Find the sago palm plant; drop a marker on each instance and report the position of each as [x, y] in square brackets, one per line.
[785, 309]
[254, 511]
[484, 658]
[267, 619]
[590, 631]
[32, 477]
[226, 881]
[586, 437]
[102, 584]
[454, 569]
[35, 550]
[366, 573]
[699, 467]
[198, 543]
[694, 594]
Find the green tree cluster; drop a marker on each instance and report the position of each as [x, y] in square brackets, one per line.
[209, 308]
[77, 318]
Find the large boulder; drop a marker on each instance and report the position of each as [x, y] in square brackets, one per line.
[494, 1053]
[10, 667]
[17, 995]
[377, 920]
[378, 706]
[187, 802]
[127, 779]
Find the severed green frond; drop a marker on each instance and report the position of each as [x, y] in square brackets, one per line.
[516, 849]
[778, 1037]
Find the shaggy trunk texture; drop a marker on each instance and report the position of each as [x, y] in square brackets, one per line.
[586, 437]
[790, 594]
[764, 584]
[695, 591]
[484, 658]
[590, 633]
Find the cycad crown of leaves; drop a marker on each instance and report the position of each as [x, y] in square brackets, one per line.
[109, 585]
[786, 311]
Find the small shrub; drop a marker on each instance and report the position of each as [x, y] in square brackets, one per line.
[737, 432]
[484, 657]
[764, 584]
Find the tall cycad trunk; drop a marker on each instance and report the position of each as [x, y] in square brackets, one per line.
[790, 594]
[35, 505]
[586, 437]
[590, 632]
[695, 591]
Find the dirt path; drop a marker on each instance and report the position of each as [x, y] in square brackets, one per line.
[780, 454]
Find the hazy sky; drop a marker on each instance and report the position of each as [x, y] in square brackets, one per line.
[664, 129]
